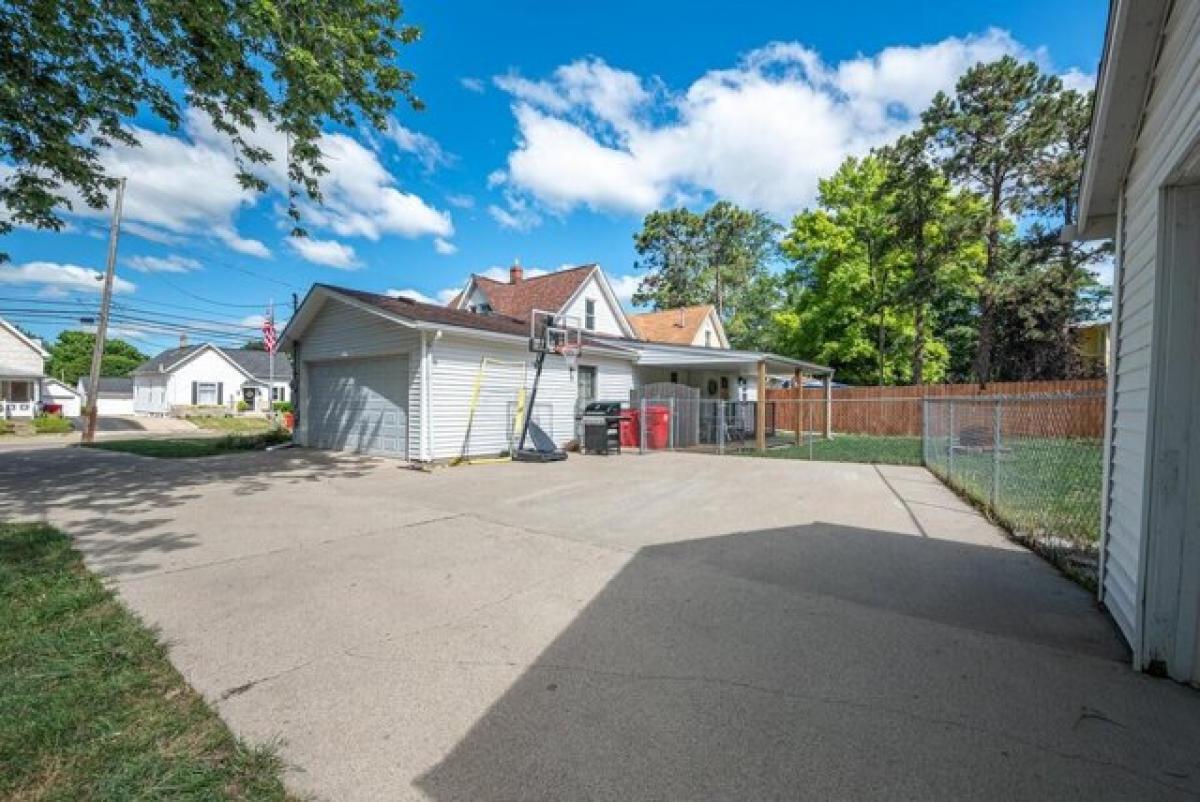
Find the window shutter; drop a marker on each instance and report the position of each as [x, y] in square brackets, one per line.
[195, 393]
[220, 396]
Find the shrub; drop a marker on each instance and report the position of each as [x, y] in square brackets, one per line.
[282, 406]
[242, 406]
[7, 427]
[52, 424]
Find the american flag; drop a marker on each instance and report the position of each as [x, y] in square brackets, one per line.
[269, 332]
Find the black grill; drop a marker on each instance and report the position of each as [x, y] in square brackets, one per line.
[602, 427]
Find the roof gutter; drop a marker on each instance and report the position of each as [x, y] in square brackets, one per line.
[1131, 49]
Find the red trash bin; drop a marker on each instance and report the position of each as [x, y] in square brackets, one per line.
[658, 426]
[629, 428]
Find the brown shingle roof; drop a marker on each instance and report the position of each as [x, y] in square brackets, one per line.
[549, 292]
[435, 313]
[676, 326]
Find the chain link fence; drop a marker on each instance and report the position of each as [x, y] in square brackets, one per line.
[882, 430]
[1034, 462]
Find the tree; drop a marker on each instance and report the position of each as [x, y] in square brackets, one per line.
[721, 256]
[991, 133]
[671, 250]
[255, 344]
[71, 356]
[936, 230]
[1052, 286]
[73, 75]
[844, 284]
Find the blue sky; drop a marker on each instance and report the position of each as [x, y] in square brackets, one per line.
[550, 129]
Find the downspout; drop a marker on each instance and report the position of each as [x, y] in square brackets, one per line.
[427, 393]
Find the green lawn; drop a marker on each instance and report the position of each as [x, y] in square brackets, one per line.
[855, 448]
[184, 447]
[92, 709]
[1046, 486]
[231, 424]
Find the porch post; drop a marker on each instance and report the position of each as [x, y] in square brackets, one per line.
[798, 384]
[760, 413]
[828, 406]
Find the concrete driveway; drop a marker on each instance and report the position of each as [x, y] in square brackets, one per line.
[660, 627]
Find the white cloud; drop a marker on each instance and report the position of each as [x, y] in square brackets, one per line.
[625, 287]
[516, 214]
[183, 186]
[330, 253]
[423, 146]
[411, 294]
[236, 242]
[254, 320]
[162, 264]
[472, 85]
[445, 247]
[52, 275]
[1078, 80]
[461, 201]
[760, 133]
[444, 296]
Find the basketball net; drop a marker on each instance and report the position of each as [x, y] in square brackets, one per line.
[570, 353]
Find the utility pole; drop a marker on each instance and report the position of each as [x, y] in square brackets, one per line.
[114, 234]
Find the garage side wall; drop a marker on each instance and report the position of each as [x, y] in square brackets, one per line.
[340, 331]
[455, 364]
[1172, 122]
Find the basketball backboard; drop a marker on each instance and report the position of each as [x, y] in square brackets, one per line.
[555, 333]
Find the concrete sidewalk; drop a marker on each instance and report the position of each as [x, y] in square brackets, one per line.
[664, 627]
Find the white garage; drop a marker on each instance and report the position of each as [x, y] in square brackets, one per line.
[359, 405]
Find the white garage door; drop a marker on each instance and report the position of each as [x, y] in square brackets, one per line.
[359, 405]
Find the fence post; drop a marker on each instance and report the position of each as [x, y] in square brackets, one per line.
[950, 441]
[925, 432]
[720, 427]
[671, 424]
[996, 417]
[642, 426]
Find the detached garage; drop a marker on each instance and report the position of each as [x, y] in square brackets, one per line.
[399, 378]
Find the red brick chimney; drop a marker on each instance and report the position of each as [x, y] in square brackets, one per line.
[515, 273]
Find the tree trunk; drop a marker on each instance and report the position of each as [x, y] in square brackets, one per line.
[918, 360]
[987, 293]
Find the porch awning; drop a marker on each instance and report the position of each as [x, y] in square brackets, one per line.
[691, 356]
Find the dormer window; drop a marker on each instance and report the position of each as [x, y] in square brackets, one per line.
[708, 338]
[589, 314]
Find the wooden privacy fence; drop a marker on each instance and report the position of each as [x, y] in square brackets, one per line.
[1073, 408]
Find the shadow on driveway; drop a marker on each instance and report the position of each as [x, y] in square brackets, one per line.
[825, 662]
[120, 505]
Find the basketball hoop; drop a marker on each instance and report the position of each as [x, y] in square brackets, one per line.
[570, 353]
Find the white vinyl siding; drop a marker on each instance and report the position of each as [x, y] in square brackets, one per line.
[605, 316]
[455, 366]
[342, 331]
[1171, 125]
[16, 355]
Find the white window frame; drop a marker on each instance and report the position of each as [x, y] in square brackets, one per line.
[200, 386]
[589, 314]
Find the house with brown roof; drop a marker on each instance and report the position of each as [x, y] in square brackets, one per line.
[685, 325]
[397, 377]
[582, 295]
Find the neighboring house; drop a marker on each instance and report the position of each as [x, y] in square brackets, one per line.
[1091, 340]
[62, 395]
[115, 396]
[687, 325]
[1141, 185]
[207, 376]
[397, 377]
[22, 372]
